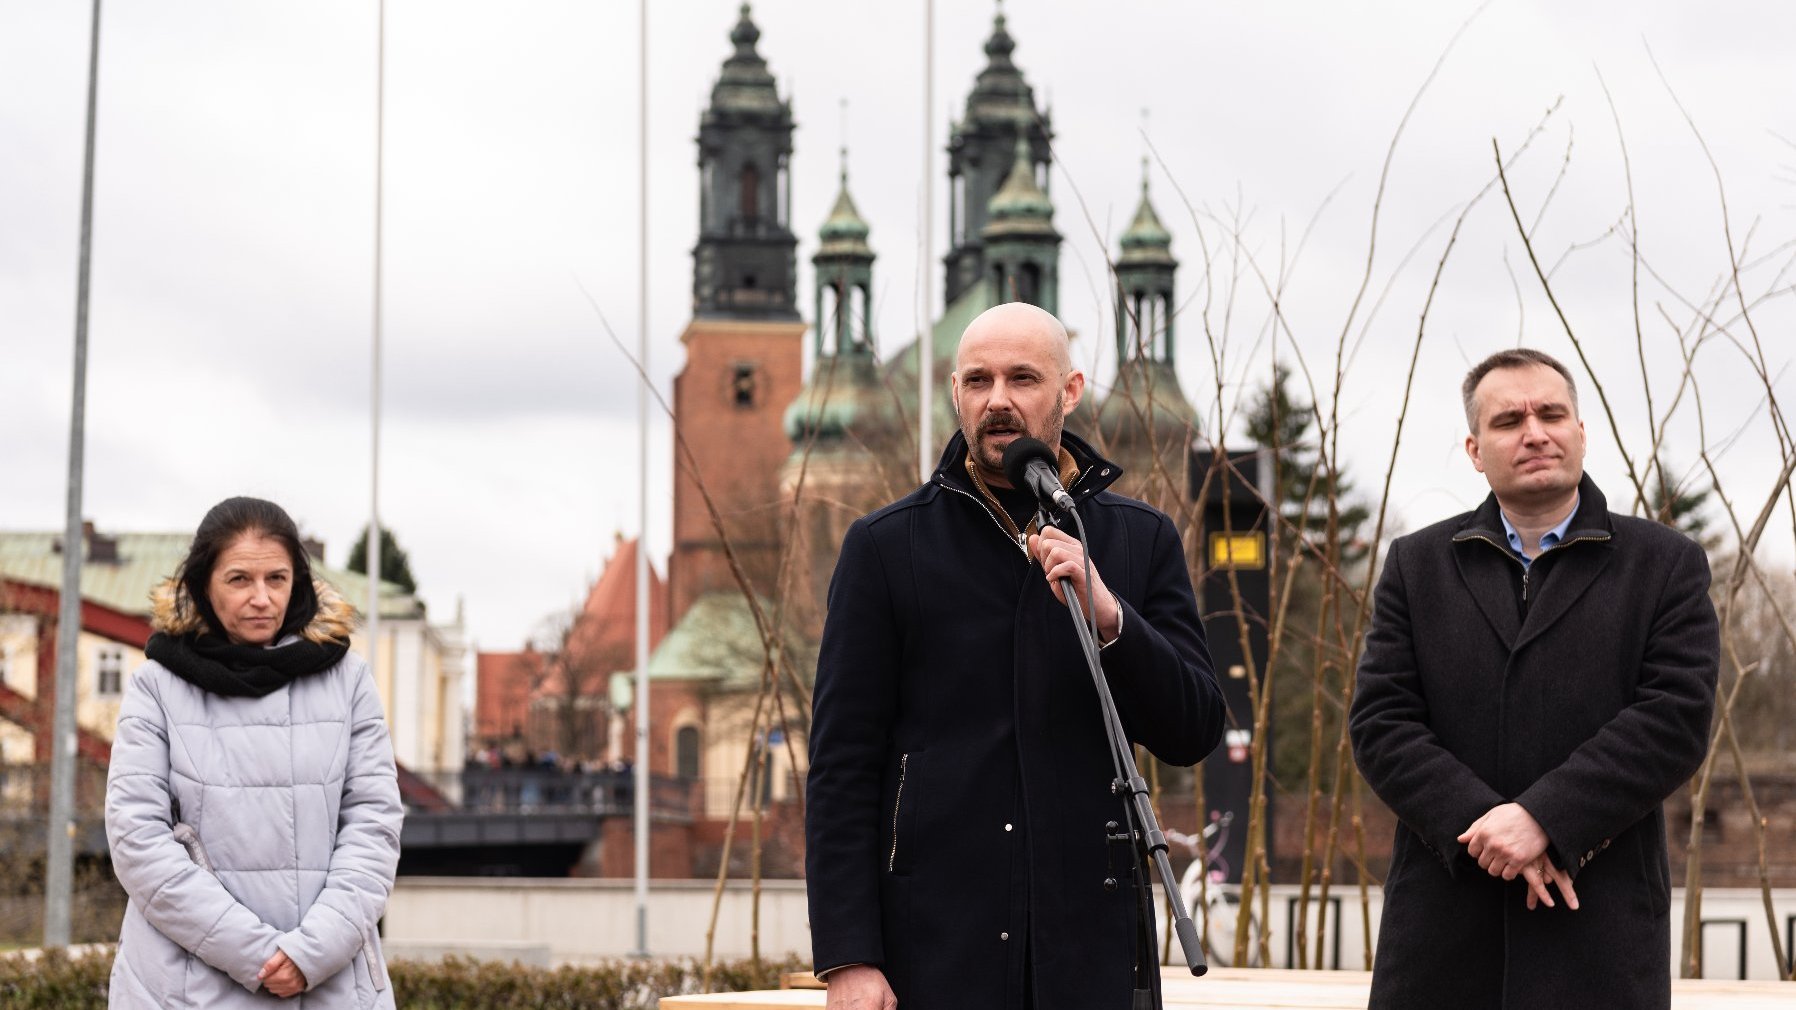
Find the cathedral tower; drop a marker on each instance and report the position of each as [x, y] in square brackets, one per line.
[842, 424]
[1147, 425]
[744, 265]
[744, 345]
[981, 153]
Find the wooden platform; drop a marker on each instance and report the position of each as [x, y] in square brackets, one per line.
[1278, 989]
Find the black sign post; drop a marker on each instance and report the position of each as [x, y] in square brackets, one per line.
[1233, 542]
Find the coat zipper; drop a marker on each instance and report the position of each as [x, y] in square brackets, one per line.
[897, 805]
[1528, 568]
[1019, 540]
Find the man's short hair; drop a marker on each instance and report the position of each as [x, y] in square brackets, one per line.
[1513, 357]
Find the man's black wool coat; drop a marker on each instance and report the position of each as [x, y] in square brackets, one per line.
[1588, 704]
[960, 780]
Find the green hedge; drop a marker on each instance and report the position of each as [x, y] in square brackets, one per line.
[56, 981]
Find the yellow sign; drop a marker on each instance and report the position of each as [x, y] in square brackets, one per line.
[1237, 550]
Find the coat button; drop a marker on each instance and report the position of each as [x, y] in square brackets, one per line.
[1006, 827]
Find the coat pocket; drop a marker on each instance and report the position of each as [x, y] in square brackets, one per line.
[905, 799]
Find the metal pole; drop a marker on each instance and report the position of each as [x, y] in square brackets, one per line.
[926, 338]
[373, 553]
[642, 492]
[59, 843]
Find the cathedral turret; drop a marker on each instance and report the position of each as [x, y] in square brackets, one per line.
[981, 153]
[844, 387]
[844, 268]
[1144, 273]
[843, 424]
[1146, 422]
[1022, 249]
[745, 263]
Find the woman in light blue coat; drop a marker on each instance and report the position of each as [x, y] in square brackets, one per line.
[252, 805]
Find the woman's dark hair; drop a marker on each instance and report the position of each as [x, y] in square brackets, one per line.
[223, 525]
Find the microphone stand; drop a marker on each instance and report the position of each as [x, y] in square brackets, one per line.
[1142, 834]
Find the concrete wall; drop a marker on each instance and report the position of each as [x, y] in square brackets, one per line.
[588, 920]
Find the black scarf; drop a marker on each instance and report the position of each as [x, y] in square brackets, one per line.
[215, 665]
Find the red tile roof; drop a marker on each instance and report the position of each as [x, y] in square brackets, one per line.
[503, 681]
[603, 639]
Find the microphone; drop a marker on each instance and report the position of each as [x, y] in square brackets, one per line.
[1029, 463]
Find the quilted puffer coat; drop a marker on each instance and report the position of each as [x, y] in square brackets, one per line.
[295, 801]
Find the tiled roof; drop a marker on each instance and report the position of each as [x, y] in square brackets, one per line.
[603, 641]
[502, 695]
[144, 560]
[611, 604]
[715, 640]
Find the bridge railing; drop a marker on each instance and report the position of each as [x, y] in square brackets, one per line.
[550, 790]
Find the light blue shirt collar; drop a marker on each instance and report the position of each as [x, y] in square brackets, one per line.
[1548, 540]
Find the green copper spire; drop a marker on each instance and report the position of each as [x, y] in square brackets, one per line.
[844, 232]
[844, 388]
[745, 84]
[1147, 240]
[1020, 207]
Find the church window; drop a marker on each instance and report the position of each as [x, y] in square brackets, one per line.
[109, 669]
[742, 385]
[706, 181]
[784, 193]
[686, 752]
[957, 214]
[749, 199]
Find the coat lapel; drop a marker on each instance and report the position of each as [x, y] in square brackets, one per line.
[1487, 576]
[1482, 566]
[1572, 574]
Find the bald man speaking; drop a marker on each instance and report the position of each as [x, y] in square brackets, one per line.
[956, 848]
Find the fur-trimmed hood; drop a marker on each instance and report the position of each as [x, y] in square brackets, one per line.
[172, 612]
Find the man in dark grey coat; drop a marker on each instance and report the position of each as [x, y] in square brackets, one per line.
[1539, 677]
[957, 851]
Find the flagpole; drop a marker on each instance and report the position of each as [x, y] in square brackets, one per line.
[926, 337]
[59, 851]
[374, 538]
[642, 491]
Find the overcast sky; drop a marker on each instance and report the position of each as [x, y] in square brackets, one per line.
[233, 235]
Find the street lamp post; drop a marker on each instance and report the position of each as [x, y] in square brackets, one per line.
[59, 841]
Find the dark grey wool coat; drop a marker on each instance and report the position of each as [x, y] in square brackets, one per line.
[1588, 703]
[959, 779]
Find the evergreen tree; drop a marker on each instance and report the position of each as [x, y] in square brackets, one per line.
[1679, 504]
[1279, 421]
[395, 567]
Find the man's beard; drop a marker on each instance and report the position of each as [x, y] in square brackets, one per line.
[990, 458]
